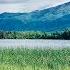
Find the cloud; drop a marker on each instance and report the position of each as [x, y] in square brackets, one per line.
[32, 1]
[27, 5]
[13, 1]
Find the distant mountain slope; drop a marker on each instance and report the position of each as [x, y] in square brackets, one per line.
[52, 19]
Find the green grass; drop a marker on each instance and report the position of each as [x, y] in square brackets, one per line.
[34, 59]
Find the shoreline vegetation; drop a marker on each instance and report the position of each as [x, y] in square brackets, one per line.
[64, 35]
[34, 59]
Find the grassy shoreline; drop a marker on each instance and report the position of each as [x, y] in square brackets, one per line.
[34, 59]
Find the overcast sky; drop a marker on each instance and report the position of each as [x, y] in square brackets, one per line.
[27, 5]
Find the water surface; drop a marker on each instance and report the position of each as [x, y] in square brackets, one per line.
[34, 43]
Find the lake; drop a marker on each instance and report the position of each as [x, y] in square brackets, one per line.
[34, 43]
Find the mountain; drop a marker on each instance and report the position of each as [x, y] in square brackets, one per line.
[51, 19]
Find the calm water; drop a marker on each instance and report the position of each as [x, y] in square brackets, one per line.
[34, 43]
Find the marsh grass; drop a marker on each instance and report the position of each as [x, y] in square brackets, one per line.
[34, 59]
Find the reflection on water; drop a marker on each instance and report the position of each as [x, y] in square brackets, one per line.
[34, 43]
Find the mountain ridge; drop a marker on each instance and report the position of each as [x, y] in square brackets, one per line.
[52, 19]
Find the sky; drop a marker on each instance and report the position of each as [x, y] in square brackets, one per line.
[27, 5]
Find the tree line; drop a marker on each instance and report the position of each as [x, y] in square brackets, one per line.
[35, 35]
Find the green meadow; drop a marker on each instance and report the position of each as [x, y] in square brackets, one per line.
[34, 59]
